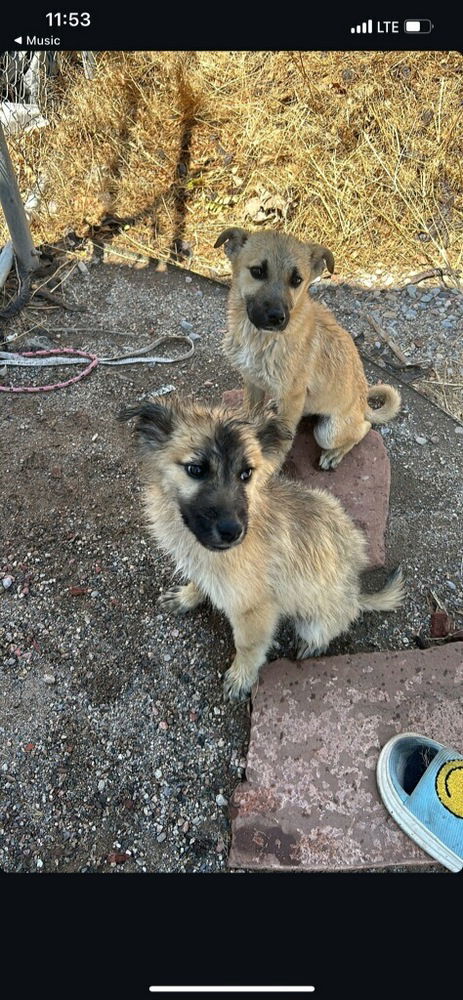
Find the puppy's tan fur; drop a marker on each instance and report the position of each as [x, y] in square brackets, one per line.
[312, 366]
[301, 555]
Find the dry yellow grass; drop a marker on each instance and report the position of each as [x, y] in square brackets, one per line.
[360, 150]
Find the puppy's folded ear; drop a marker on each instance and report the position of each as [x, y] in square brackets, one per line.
[234, 239]
[271, 432]
[319, 258]
[154, 425]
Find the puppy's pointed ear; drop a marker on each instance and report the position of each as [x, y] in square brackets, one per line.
[271, 431]
[319, 258]
[154, 425]
[234, 239]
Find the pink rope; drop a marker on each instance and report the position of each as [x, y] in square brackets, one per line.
[56, 385]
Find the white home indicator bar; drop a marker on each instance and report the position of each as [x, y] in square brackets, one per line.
[232, 989]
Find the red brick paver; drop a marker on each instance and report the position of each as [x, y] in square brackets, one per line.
[310, 801]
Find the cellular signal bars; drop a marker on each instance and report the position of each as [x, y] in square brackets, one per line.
[365, 28]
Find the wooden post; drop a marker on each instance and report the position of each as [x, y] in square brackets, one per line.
[15, 215]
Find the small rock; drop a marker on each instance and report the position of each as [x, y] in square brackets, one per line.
[7, 581]
[411, 291]
[163, 390]
[450, 584]
[185, 325]
[458, 430]
[420, 440]
[49, 678]
[221, 800]
[162, 837]
[348, 75]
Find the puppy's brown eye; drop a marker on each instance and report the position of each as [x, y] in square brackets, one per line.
[246, 474]
[195, 471]
[257, 272]
[295, 279]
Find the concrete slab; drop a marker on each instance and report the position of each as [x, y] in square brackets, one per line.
[310, 800]
[361, 482]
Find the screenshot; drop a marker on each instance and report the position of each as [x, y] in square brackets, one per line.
[231, 561]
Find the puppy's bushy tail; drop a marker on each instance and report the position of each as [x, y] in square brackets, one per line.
[387, 599]
[390, 406]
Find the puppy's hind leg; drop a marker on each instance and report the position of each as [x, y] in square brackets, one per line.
[312, 638]
[337, 435]
[179, 600]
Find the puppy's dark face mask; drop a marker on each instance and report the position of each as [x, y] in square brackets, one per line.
[208, 464]
[214, 504]
[272, 272]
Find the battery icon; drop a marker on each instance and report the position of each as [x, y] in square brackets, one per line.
[418, 27]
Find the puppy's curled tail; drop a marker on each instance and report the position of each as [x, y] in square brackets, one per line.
[388, 409]
[387, 599]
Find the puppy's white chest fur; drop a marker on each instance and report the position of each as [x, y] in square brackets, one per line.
[258, 355]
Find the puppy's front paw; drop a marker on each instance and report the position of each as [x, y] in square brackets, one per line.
[174, 601]
[236, 685]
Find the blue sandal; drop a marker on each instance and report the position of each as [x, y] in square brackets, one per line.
[421, 785]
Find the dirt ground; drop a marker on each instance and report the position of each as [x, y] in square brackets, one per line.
[118, 753]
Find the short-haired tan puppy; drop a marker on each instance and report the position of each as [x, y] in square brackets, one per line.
[290, 348]
[259, 547]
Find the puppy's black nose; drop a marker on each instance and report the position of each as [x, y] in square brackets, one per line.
[276, 316]
[228, 529]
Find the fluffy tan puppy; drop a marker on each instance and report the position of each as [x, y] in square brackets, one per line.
[260, 547]
[290, 348]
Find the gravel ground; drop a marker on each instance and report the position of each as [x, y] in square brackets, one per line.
[117, 751]
[425, 322]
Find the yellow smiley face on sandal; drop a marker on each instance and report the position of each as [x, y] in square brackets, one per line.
[449, 786]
